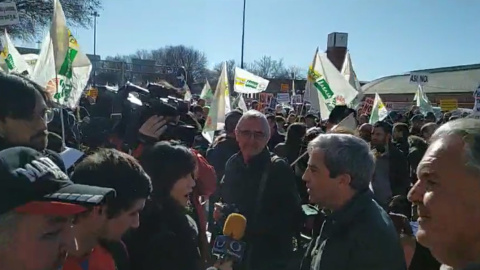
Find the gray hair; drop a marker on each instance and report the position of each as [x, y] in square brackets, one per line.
[469, 130]
[8, 223]
[346, 154]
[254, 114]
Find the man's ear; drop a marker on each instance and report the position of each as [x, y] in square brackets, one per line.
[344, 179]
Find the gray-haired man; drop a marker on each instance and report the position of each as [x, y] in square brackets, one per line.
[447, 195]
[357, 233]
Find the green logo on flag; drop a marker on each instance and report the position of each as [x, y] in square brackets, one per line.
[66, 70]
[323, 87]
[320, 83]
[10, 63]
[251, 84]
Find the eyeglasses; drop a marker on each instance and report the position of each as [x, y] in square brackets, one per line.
[46, 115]
[257, 135]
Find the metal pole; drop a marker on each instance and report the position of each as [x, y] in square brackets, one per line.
[95, 15]
[243, 32]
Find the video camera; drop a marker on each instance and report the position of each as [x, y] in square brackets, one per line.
[134, 105]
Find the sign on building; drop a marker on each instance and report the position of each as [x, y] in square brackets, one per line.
[8, 13]
[421, 79]
[284, 87]
[448, 104]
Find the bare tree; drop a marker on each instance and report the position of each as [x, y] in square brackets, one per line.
[142, 54]
[231, 65]
[194, 61]
[296, 73]
[266, 67]
[35, 15]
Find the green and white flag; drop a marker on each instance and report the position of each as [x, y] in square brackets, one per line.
[61, 66]
[207, 93]
[249, 83]
[239, 103]
[379, 111]
[11, 60]
[326, 87]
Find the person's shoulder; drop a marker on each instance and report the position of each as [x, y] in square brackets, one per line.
[374, 235]
[232, 160]
[278, 162]
[373, 218]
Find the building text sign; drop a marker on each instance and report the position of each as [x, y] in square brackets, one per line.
[8, 13]
[420, 79]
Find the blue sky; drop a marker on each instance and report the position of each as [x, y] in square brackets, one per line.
[386, 37]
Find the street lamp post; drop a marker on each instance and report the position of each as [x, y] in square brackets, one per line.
[243, 32]
[95, 15]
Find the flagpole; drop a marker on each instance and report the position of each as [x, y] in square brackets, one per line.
[95, 15]
[61, 112]
[243, 33]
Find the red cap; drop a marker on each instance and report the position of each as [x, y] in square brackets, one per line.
[50, 208]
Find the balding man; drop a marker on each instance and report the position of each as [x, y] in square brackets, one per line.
[447, 195]
[427, 130]
[365, 132]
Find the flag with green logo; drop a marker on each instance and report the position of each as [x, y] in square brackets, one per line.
[248, 83]
[326, 87]
[11, 60]
[61, 66]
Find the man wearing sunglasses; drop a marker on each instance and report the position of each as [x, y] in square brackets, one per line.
[24, 115]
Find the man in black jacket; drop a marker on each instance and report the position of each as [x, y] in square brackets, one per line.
[391, 175]
[24, 115]
[357, 233]
[263, 188]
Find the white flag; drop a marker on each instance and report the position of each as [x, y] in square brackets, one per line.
[348, 123]
[11, 59]
[249, 83]
[188, 93]
[349, 73]
[61, 66]
[379, 111]
[422, 101]
[326, 87]
[219, 108]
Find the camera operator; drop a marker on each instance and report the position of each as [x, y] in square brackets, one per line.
[142, 117]
[24, 115]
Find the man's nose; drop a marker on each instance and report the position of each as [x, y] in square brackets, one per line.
[305, 176]
[136, 221]
[416, 192]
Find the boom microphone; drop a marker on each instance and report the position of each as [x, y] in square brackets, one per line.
[229, 245]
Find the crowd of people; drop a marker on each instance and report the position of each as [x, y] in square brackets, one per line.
[401, 193]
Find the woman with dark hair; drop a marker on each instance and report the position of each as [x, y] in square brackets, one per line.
[290, 149]
[167, 237]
